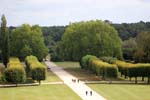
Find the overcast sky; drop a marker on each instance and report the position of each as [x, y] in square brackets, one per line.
[62, 12]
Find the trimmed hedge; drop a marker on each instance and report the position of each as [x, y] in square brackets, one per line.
[36, 69]
[134, 70]
[15, 72]
[85, 61]
[99, 67]
[109, 60]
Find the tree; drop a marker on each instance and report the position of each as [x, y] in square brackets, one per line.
[129, 48]
[143, 48]
[91, 37]
[28, 40]
[4, 41]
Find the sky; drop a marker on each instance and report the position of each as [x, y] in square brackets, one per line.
[63, 12]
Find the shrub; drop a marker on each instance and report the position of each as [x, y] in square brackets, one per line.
[15, 72]
[85, 61]
[36, 69]
[99, 67]
[104, 69]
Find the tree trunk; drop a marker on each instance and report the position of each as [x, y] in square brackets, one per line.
[135, 80]
[142, 78]
[148, 80]
[39, 82]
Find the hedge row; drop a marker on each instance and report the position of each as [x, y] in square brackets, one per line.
[134, 70]
[99, 67]
[37, 69]
[15, 72]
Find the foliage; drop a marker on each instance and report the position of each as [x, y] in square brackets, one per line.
[4, 41]
[143, 48]
[27, 40]
[15, 73]
[35, 68]
[131, 30]
[134, 70]
[91, 37]
[110, 60]
[85, 61]
[129, 48]
[99, 67]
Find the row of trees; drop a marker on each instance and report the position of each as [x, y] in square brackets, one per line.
[137, 49]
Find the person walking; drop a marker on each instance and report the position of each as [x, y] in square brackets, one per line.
[86, 93]
[91, 93]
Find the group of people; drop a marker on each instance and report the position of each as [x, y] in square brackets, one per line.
[87, 93]
[75, 80]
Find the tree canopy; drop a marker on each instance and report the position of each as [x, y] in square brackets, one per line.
[143, 48]
[28, 40]
[91, 37]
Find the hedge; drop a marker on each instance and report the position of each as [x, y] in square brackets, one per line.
[134, 70]
[36, 69]
[85, 61]
[15, 72]
[99, 67]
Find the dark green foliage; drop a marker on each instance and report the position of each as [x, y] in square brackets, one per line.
[129, 48]
[131, 30]
[142, 53]
[4, 42]
[91, 37]
[35, 68]
[15, 73]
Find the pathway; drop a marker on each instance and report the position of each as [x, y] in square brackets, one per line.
[79, 88]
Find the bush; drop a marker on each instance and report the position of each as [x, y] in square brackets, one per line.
[15, 73]
[134, 70]
[104, 69]
[99, 67]
[85, 61]
[36, 69]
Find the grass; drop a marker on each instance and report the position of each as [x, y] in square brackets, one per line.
[74, 69]
[51, 77]
[122, 92]
[43, 92]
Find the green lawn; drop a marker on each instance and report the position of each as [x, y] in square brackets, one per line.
[122, 92]
[43, 92]
[74, 69]
[51, 77]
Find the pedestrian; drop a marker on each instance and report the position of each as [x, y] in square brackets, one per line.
[78, 80]
[91, 93]
[75, 80]
[86, 93]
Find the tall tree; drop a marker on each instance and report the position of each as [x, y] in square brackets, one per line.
[28, 40]
[4, 41]
[143, 48]
[91, 37]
